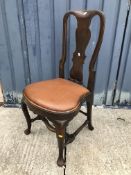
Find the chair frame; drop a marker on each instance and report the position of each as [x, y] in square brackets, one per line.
[58, 121]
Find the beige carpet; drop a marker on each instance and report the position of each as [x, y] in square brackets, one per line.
[105, 151]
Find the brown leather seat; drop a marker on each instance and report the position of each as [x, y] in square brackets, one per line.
[55, 95]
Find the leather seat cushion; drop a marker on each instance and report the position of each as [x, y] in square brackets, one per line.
[55, 95]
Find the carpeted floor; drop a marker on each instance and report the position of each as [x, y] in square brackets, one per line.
[105, 151]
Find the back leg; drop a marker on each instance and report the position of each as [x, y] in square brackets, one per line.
[89, 115]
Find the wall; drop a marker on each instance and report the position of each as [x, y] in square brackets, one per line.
[30, 46]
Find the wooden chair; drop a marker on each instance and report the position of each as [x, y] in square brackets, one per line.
[56, 102]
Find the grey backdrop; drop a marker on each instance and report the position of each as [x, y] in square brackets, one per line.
[30, 46]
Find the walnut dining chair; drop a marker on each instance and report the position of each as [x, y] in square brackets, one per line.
[56, 102]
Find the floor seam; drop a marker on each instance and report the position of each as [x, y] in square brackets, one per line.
[65, 160]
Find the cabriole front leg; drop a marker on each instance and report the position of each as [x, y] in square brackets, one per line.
[60, 134]
[27, 116]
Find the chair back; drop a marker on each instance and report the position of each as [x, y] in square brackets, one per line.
[83, 35]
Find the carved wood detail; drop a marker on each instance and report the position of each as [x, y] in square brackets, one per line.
[83, 35]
